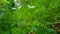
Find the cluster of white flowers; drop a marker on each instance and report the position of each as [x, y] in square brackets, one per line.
[17, 3]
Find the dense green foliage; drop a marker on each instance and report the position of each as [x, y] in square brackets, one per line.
[27, 20]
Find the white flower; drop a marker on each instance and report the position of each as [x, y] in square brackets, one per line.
[13, 8]
[18, 4]
[19, 7]
[31, 6]
[15, 0]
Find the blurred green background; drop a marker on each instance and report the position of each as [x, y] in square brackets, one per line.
[29, 16]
